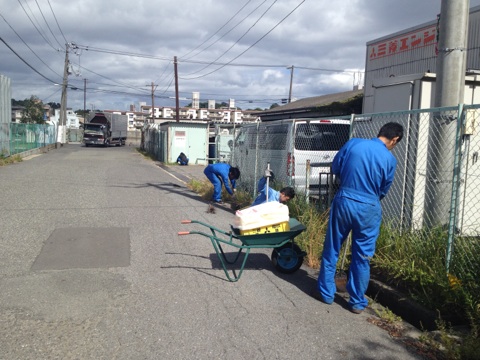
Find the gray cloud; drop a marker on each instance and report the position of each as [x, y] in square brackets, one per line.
[132, 44]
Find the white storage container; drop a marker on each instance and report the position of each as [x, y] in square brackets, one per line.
[261, 215]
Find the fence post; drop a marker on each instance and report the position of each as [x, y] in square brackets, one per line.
[308, 170]
[331, 188]
[256, 163]
[452, 223]
[232, 150]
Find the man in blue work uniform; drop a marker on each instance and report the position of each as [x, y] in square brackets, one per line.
[366, 169]
[221, 173]
[282, 196]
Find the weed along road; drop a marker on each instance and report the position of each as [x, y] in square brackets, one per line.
[91, 267]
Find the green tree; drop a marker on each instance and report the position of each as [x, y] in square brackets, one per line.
[274, 105]
[33, 112]
[54, 105]
[82, 113]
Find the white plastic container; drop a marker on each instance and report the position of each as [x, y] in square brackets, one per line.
[261, 215]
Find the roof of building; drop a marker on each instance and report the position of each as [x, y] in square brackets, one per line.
[317, 101]
[338, 104]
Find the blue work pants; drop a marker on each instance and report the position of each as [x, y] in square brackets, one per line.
[363, 220]
[217, 185]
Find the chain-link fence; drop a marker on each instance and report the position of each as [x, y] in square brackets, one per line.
[437, 181]
[24, 137]
[155, 142]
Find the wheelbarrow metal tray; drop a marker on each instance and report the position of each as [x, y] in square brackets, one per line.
[271, 239]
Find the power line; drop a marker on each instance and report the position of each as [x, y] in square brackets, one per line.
[114, 81]
[222, 64]
[241, 37]
[26, 63]
[48, 26]
[255, 43]
[216, 32]
[115, 52]
[58, 25]
[29, 46]
[35, 26]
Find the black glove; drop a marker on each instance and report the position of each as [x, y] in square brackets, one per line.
[269, 174]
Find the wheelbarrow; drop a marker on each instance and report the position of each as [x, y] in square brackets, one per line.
[287, 257]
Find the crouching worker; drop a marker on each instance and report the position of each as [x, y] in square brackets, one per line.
[282, 196]
[182, 159]
[222, 173]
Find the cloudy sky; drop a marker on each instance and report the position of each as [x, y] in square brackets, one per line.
[225, 49]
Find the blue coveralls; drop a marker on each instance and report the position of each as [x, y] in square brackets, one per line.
[273, 195]
[366, 169]
[218, 173]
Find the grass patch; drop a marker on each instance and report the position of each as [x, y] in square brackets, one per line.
[205, 189]
[7, 160]
[310, 240]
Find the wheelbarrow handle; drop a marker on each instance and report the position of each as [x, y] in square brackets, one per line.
[184, 233]
[186, 222]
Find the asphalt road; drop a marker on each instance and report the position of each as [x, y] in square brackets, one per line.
[91, 267]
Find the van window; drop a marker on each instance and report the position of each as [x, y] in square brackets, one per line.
[321, 137]
[276, 137]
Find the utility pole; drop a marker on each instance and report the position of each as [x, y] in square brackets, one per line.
[177, 104]
[291, 81]
[84, 101]
[450, 85]
[153, 104]
[63, 101]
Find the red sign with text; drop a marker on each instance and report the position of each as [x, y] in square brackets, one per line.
[420, 38]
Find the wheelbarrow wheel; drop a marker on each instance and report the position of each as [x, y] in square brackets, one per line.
[287, 258]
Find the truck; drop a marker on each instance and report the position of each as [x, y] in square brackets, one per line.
[105, 129]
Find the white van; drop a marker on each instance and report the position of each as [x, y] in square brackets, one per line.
[287, 145]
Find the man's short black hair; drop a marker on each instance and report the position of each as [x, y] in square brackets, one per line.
[234, 173]
[288, 191]
[391, 130]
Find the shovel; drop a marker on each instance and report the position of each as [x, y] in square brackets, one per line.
[341, 274]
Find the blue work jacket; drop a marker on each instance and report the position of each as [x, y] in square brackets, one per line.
[366, 169]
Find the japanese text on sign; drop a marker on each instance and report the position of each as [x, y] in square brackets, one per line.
[420, 38]
[180, 138]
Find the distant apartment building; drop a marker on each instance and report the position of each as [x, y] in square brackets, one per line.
[225, 115]
[72, 121]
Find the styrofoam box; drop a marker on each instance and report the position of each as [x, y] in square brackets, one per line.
[261, 215]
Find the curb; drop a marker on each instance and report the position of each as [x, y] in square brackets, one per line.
[402, 305]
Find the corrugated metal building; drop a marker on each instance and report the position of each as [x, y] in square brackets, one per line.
[413, 51]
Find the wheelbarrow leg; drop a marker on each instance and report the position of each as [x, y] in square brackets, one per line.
[224, 261]
[225, 256]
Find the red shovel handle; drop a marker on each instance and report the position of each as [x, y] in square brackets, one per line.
[183, 232]
[185, 221]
